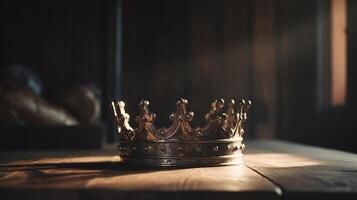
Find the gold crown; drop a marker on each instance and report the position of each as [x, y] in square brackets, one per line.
[219, 142]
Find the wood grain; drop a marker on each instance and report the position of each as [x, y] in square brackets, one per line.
[305, 172]
[98, 174]
[272, 170]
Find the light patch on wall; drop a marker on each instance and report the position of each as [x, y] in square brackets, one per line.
[338, 52]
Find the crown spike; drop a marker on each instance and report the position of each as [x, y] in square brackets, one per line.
[231, 110]
[146, 129]
[145, 114]
[241, 104]
[181, 106]
[143, 105]
[181, 121]
[122, 119]
[244, 106]
[231, 117]
[216, 109]
[113, 106]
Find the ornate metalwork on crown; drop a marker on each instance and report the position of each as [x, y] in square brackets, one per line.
[217, 143]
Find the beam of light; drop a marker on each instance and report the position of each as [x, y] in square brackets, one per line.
[281, 160]
[338, 51]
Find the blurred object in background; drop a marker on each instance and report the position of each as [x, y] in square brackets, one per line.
[21, 102]
[83, 101]
[30, 121]
[18, 74]
[30, 109]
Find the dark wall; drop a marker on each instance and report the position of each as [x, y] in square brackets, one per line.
[297, 67]
[199, 50]
[63, 41]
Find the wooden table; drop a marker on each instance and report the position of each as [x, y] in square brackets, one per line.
[272, 170]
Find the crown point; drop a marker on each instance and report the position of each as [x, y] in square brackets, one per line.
[242, 102]
[144, 103]
[114, 108]
[249, 103]
[219, 104]
[121, 104]
[181, 101]
[241, 131]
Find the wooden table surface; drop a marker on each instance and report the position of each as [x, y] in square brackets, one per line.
[272, 170]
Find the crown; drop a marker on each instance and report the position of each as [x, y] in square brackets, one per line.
[217, 143]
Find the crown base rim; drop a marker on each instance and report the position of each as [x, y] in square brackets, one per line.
[229, 140]
[184, 161]
[181, 153]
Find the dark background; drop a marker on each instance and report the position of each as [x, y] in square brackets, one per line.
[264, 50]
